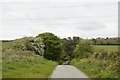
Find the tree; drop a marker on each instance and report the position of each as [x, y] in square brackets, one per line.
[94, 41]
[83, 48]
[69, 46]
[53, 46]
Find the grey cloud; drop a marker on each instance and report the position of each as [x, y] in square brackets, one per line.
[91, 26]
[63, 19]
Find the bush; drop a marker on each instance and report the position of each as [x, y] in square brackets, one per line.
[35, 44]
[83, 49]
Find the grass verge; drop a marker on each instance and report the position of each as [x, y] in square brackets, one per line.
[94, 68]
[28, 67]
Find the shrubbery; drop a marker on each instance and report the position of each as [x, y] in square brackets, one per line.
[95, 68]
[83, 48]
[36, 45]
[22, 47]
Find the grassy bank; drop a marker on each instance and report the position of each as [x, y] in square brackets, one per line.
[19, 61]
[28, 67]
[94, 68]
[103, 63]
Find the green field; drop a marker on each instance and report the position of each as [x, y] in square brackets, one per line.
[110, 48]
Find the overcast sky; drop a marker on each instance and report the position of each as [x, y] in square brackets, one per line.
[63, 18]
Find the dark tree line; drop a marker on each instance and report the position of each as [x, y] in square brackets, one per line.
[106, 41]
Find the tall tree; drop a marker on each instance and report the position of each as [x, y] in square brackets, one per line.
[52, 46]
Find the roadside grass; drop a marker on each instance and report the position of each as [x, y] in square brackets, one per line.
[94, 68]
[103, 63]
[109, 48]
[28, 67]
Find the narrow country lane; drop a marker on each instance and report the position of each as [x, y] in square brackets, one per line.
[67, 71]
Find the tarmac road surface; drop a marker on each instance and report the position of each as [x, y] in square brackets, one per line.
[67, 71]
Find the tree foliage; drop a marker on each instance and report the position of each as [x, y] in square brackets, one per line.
[52, 46]
[83, 48]
[35, 44]
[69, 46]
